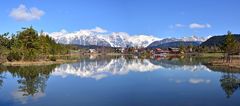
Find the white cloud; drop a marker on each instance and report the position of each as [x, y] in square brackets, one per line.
[191, 26]
[179, 25]
[176, 26]
[196, 25]
[171, 26]
[22, 13]
[94, 30]
[18, 96]
[98, 30]
[197, 81]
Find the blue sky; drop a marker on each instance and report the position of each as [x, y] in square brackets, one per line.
[162, 18]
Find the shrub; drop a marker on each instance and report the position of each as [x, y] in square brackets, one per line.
[10, 57]
[14, 56]
[53, 58]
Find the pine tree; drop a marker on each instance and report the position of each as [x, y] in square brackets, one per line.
[229, 46]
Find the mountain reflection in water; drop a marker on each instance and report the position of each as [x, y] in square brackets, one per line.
[32, 81]
[99, 69]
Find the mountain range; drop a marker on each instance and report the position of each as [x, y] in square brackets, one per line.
[100, 37]
[175, 44]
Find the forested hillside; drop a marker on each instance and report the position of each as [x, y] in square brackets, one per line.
[218, 40]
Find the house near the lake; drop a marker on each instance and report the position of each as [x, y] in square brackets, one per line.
[164, 52]
[92, 51]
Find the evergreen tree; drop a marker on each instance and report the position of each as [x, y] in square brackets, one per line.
[229, 46]
[29, 45]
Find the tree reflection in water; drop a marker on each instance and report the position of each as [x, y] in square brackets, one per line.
[1, 79]
[230, 83]
[1, 76]
[32, 79]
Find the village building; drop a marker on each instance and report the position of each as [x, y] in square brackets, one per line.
[119, 50]
[92, 51]
[174, 50]
[162, 52]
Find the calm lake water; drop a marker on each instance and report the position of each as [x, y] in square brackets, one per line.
[120, 81]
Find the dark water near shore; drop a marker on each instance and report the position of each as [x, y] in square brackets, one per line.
[120, 81]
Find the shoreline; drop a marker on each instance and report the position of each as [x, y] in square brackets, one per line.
[37, 63]
[76, 57]
[220, 63]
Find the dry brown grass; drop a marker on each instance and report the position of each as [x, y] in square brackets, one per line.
[37, 63]
[235, 63]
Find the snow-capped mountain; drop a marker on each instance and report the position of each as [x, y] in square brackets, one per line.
[169, 42]
[100, 37]
[82, 37]
[119, 39]
[122, 39]
[193, 38]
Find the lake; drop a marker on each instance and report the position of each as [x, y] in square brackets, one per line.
[120, 81]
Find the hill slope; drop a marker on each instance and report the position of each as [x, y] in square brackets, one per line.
[218, 40]
[176, 44]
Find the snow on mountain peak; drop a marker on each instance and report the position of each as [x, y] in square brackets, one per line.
[100, 37]
[142, 40]
[194, 38]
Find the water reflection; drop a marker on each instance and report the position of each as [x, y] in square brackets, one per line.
[99, 69]
[1, 79]
[230, 83]
[20, 96]
[32, 81]
[185, 64]
[2, 76]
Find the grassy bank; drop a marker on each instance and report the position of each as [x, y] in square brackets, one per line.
[217, 60]
[58, 59]
[49, 60]
[37, 63]
[235, 63]
[209, 55]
